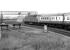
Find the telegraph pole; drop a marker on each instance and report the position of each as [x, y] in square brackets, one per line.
[1, 26]
[1, 17]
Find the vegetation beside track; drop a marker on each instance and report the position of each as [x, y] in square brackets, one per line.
[27, 39]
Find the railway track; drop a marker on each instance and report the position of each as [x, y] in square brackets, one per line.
[18, 32]
[57, 30]
[60, 31]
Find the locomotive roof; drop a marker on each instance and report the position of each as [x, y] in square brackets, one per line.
[67, 13]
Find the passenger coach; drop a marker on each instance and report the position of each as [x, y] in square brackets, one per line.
[57, 20]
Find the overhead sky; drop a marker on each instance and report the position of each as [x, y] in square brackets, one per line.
[41, 6]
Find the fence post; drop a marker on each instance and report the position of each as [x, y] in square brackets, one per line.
[45, 28]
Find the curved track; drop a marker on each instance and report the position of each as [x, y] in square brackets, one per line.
[60, 31]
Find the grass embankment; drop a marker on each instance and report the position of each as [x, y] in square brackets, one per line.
[13, 40]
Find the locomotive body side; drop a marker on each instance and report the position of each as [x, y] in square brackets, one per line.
[60, 20]
[31, 19]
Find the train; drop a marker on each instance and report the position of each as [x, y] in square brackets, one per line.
[60, 20]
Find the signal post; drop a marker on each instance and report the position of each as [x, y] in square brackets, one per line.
[45, 28]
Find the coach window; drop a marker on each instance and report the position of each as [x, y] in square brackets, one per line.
[59, 18]
[56, 17]
[53, 18]
[68, 18]
[47, 18]
[42, 18]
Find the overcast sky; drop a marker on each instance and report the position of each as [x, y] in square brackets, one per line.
[42, 6]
